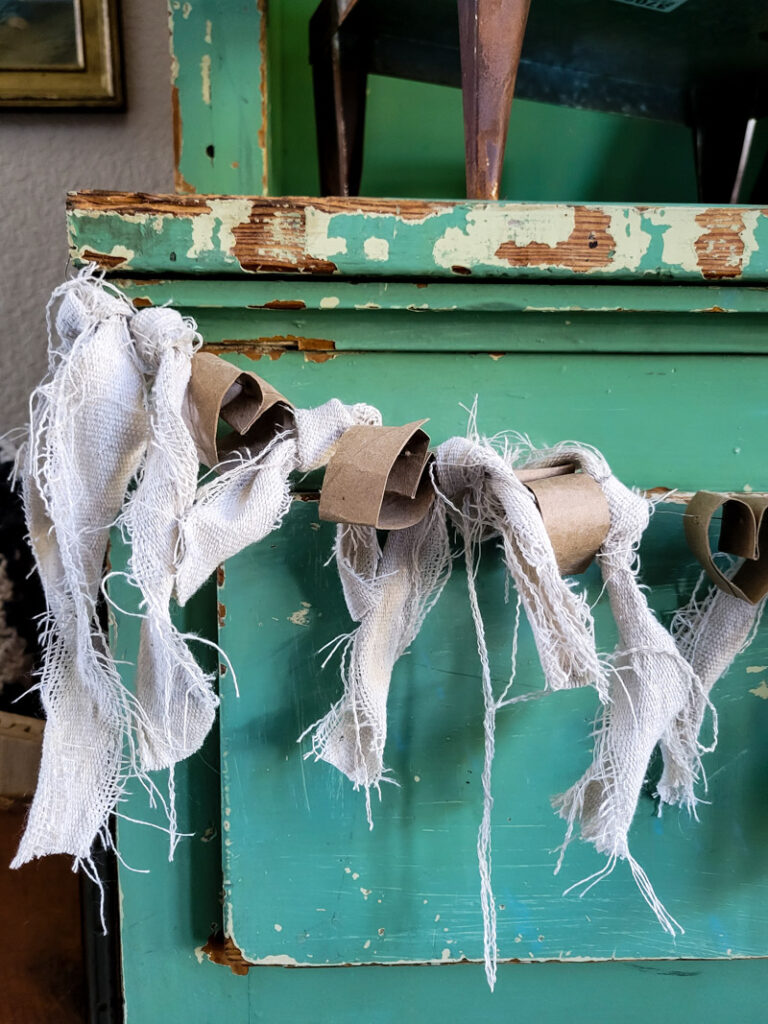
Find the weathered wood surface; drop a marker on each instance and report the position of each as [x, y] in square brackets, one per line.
[136, 233]
[219, 96]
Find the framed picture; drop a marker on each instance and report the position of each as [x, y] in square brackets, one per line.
[60, 53]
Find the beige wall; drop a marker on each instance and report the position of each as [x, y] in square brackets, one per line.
[45, 153]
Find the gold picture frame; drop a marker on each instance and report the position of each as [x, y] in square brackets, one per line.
[60, 53]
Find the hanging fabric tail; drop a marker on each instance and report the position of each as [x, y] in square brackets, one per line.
[709, 634]
[250, 499]
[652, 685]
[177, 696]
[389, 593]
[86, 439]
[487, 499]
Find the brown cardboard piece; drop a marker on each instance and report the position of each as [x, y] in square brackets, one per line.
[247, 403]
[743, 530]
[378, 476]
[575, 514]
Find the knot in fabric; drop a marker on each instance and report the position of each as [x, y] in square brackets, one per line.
[157, 330]
[83, 304]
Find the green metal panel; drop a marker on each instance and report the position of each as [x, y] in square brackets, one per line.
[219, 82]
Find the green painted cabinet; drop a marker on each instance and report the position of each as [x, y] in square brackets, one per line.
[281, 858]
[640, 329]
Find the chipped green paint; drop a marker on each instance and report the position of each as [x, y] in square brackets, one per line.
[401, 238]
[219, 79]
[278, 296]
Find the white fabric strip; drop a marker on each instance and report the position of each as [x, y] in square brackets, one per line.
[87, 435]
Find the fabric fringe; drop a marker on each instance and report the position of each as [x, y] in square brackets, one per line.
[87, 433]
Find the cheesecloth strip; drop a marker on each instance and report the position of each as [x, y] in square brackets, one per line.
[651, 686]
[86, 439]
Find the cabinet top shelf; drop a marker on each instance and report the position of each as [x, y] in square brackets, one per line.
[133, 233]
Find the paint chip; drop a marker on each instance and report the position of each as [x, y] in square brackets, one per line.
[329, 302]
[278, 927]
[376, 249]
[756, 668]
[761, 691]
[437, 918]
[367, 944]
[299, 618]
[445, 955]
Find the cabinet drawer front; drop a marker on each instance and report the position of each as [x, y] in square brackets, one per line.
[305, 880]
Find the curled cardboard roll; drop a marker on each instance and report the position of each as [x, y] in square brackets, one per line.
[379, 476]
[575, 514]
[743, 532]
[244, 401]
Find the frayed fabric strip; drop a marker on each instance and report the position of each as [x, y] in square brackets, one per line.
[177, 696]
[251, 497]
[709, 634]
[88, 426]
[390, 592]
[652, 685]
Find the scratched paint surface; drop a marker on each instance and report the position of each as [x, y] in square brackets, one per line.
[374, 238]
[305, 880]
[218, 78]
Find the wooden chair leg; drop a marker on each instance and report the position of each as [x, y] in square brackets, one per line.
[339, 74]
[491, 37]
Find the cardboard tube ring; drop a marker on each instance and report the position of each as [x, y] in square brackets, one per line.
[379, 476]
[254, 410]
[741, 533]
[575, 514]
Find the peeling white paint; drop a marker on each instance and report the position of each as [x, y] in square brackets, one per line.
[761, 691]
[300, 617]
[367, 944]
[279, 960]
[125, 255]
[329, 302]
[205, 78]
[199, 954]
[680, 237]
[186, 10]
[321, 245]
[751, 669]
[278, 927]
[488, 227]
[376, 249]
[225, 215]
[445, 955]
[208, 32]
[367, 305]
[747, 235]
[631, 242]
